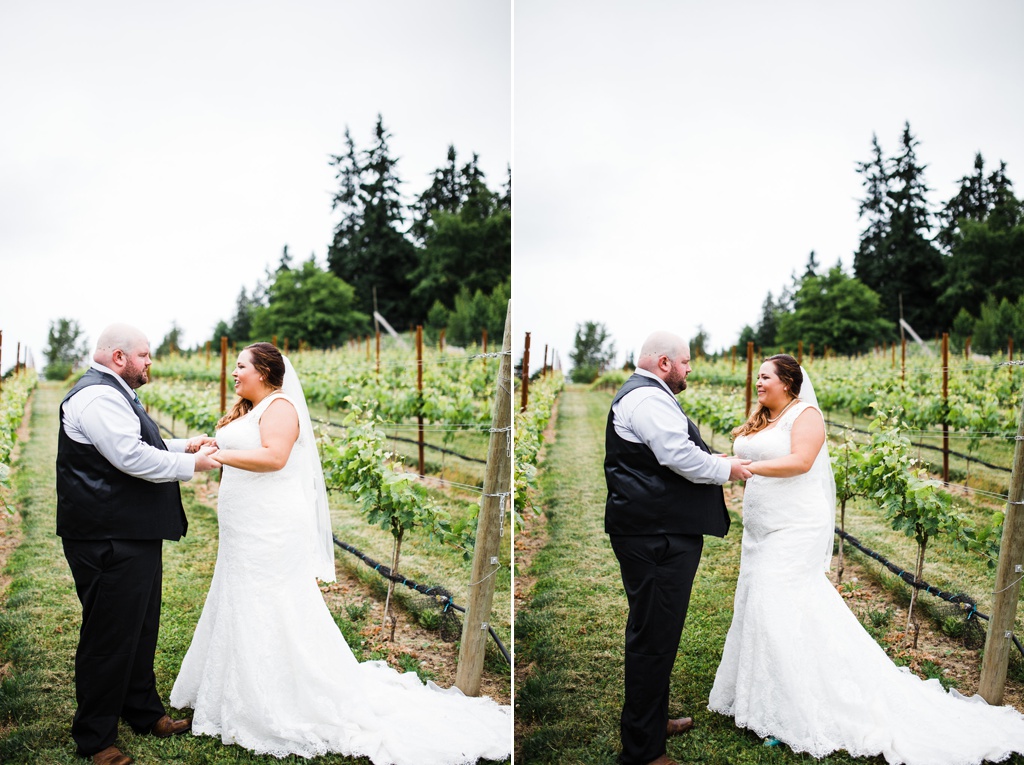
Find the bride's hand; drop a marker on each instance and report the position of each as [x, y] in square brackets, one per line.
[198, 442]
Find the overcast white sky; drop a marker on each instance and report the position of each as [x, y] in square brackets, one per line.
[676, 160]
[155, 158]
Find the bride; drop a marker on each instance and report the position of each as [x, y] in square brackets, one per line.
[268, 668]
[797, 665]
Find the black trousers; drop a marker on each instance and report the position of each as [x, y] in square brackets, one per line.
[119, 584]
[657, 573]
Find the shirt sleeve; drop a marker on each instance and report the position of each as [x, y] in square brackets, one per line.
[110, 425]
[660, 424]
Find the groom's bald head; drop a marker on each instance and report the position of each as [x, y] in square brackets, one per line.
[660, 344]
[667, 356]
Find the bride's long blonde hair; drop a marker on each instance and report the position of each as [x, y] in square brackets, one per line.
[267, 360]
[789, 372]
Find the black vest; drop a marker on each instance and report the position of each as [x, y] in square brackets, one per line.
[645, 497]
[95, 500]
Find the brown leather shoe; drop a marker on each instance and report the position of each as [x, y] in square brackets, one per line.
[679, 726]
[165, 727]
[111, 756]
[663, 760]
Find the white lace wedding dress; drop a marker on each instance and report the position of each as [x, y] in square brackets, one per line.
[798, 666]
[268, 668]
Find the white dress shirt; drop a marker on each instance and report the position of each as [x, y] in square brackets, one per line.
[100, 416]
[647, 416]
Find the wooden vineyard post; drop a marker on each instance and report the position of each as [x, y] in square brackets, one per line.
[223, 374]
[1008, 576]
[903, 361]
[544, 369]
[945, 405]
[377, 368]
[491, 525]
[750, 372]
[800, 352]
[525, 377]
[419, 392]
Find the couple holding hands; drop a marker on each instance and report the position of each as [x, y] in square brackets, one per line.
[797, 666]
[268, 668]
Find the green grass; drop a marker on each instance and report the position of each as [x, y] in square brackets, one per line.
[40, 617]
[570, 634]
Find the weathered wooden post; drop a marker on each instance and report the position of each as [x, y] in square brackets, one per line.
[1009, 572]
[750, 371]
[419, 393]
[223, 374]
[945, 407]
[525, 376]
[490, 527]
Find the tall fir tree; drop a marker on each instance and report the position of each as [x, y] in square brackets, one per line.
[466, 232]
[897, 258]
[445, 193]
[984, 224]
[971, 202]
[869, 262]
[370, 250]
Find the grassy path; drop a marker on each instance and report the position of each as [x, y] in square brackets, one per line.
[570, 635]
[40, 618]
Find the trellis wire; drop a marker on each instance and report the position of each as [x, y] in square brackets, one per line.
[962, 601]
[933, 448]
[439, 595]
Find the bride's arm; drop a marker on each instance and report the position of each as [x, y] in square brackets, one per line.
[807, 437]
[279, 428]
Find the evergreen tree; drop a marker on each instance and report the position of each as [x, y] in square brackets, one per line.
[768, 327]
[699, 343]
[171, 342]
[971, 202]
[445, 194]
[467, 236]
[241, 327]
[896, 258]
[811, 269]
[369, 250]
[984, 223]
[870, 261]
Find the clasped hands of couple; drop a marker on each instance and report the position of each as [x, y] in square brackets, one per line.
[738, 470]
[205, 448]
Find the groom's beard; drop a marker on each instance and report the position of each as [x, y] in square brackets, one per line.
[676, 384]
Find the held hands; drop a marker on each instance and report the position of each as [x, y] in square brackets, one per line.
[738, 470]
[195, 444]
[204, 458]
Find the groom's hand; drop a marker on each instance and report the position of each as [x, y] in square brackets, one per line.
[193, 445]
[738, 470]
[204, 460]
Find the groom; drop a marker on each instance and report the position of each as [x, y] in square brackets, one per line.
[664, 494]
[117, 500]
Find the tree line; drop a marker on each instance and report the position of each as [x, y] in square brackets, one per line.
[443, 261]
[957, 269]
